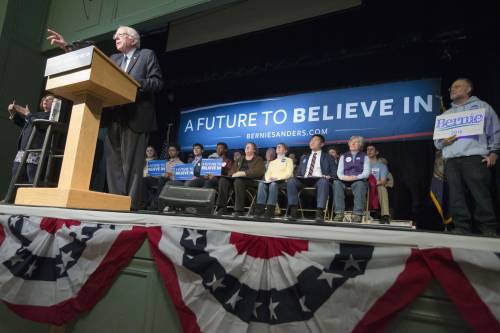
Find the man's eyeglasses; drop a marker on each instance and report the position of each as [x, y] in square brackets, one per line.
[120, 34]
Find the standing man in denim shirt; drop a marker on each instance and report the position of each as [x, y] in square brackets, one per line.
[468, 160]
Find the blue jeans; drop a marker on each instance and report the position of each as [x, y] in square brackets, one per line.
[359, 189]
[268, 193]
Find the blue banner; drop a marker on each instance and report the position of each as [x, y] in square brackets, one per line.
[184, 171]
[385, 112]
[211, 166]
[157, 168]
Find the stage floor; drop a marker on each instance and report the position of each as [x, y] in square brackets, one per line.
[398, 233]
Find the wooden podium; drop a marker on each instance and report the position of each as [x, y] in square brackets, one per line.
[92, 81]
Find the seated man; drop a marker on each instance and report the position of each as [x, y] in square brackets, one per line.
[380, 171]
[212, 181]
[353, 171]
[315, 170]
[173, 160]
[278, 171]
[244, 172]
[390, 177]
[196, 161]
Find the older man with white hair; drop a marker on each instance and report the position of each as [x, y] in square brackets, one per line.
[353, 171]
[128, 125]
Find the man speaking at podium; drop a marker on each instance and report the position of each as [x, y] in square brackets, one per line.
[128, 125]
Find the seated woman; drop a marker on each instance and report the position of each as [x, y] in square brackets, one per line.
[353, 171]
[148, 182]
[151, 155]
[24, 118]
[244, 172]
[278, 171]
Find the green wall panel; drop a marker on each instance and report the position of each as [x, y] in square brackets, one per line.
[97, 19]
[3, 11]
[21, 69]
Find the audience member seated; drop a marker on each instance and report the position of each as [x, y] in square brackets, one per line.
[353, 171]
[236, 155]
[196, 181]
[211, 181]
[150, 156]
[390, 178]
[380, 171]
[334, 152]
[278, 171]
[150, 183]
[221, 151]
[314, 170]
[243, 174]
[24, 118]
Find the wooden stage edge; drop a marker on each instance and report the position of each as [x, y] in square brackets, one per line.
[328, 231]
[71, 198]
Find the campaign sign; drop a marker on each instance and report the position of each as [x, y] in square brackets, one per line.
[462, 123]
[211, 166]
[184, 171]
[384, 112]
[157, 168]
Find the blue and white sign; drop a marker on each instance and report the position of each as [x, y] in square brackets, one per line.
[211, 166]
[184, 171]
[157, 168]
[462, 123]
[393, 111]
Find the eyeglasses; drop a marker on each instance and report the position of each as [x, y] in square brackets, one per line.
[120, 34]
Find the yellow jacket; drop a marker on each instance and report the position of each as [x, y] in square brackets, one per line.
[280, 169]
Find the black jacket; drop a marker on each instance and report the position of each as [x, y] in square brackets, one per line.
[141, 115]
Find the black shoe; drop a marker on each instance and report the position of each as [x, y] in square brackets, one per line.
[270, 209]
[460, 231]
[488, 230]
[259, 210]
[386, 219]
[292, 213]
[320, 215]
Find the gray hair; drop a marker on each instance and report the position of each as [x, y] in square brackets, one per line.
[132, 33]
[360, 139]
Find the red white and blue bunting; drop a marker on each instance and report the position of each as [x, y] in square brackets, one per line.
[52, 270]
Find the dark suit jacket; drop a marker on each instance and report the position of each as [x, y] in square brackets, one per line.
[328, 165]
[141, 115]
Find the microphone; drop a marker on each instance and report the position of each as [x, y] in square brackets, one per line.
[77, 44]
